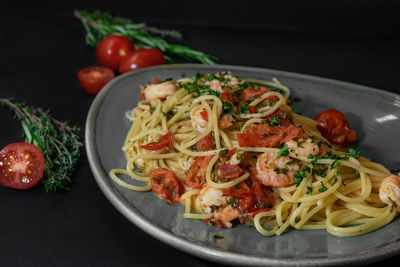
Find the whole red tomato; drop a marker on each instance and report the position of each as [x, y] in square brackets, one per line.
[141, 58]
[93, 79]
[112, 49]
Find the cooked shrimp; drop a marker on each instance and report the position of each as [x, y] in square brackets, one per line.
[226, 214]
[236, 158]
[275, 172]
[389, 192]
[303, 147]
[217, 85]
[159, 91]
[199, 118]
[211, 198]
[198, 121]
[226, 121]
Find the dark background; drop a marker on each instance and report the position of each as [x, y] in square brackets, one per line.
[42, 48]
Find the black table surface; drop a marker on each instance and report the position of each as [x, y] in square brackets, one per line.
[41, 51]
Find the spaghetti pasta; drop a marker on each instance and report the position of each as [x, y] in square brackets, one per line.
[232, 150]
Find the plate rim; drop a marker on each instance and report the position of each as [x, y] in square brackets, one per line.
[215, 254]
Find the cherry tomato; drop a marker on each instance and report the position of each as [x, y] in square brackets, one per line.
[165, 140]
[93, 79]
[206, 143]
[229, 171]
[21, 165]
[112, 49]
[196, 175]
[334, 126]
[141, 58]
[166, 185]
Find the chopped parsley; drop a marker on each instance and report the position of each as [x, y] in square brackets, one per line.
[309, 190]
[218, 236]
[357, 174]
[244, 108]
[226, 107]
[275, 120]
[301, 174]
[300, 144]
[335, 164]
[351, 152]
[323, 188]
[283, 152]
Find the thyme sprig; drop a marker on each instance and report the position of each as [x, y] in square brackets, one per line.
[59, 142]
[101, 24]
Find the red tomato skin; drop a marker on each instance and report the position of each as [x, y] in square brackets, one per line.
[112, 49]
[335, 127]
[206, 143]
[165, 140]
[166, 185]
[141, 58]
[26, 161]
[229, 171]
[196, 174]
[93, 79]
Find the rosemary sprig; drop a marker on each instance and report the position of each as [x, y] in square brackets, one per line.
[101, 24]
[59, 142]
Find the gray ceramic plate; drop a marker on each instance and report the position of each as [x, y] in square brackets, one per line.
[373, 113]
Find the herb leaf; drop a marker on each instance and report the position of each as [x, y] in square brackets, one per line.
[101, 24]
[59, 142]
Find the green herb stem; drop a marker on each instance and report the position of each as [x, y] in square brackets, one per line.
[59, 142]
[99, 25]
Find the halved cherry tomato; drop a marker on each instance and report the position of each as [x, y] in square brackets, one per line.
[229, 171]
[238, 190]
[165, 140]
[144, 57]
[251, 93]
[166, 185]
[21, 165]
[196, 175]
[112, 49]
[93, 79]
[206, 143]
[335, 127]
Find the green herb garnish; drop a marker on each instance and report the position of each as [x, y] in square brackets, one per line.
[309, 190]
[351, 152]
[323, 188]
[284, 151]
[218, 236]
[59, 142]
[275, 120]
[99, 25]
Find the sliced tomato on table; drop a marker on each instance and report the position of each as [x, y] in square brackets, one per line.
[166, 185]
[165, 141]
[93, 79]
[21, 165]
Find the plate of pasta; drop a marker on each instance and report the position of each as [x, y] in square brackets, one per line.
[251, 166]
